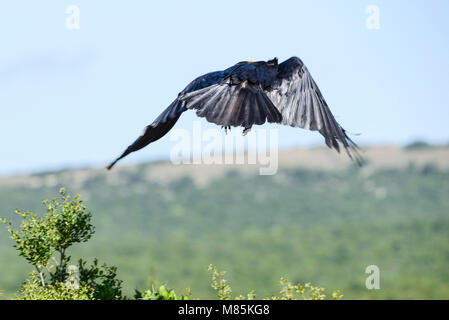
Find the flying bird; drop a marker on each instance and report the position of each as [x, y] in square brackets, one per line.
[252, 93]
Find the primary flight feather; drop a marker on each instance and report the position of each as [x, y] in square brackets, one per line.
[252, 93]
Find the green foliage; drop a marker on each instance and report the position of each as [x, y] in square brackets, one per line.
[68, 221]
[223, 291]
[322, 227]
[33, 289]
[288, 291]
[219, 283]
[33, 239]
[160, 294]
[102, 279]
[307, 291]
[40, 238]
[65, 223]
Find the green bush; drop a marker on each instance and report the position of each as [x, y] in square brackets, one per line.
[33, 289]
[160, 294]
[288, 290]
[223, 291]
[41, 239]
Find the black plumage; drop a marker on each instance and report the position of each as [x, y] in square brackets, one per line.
[252, 93]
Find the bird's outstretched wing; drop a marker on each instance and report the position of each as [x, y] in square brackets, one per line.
[156, 130]
[233, 104]
[167, 119]
[301, 104]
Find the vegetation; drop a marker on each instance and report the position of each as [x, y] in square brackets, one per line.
[417, 145]
[317, 226]
[40, 238]
[289, 291]
[68, 222]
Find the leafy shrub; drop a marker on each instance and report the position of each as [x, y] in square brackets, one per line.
[160, 294]
[33, 289]
[223, 291]
[38, 239]
[288, 291]
[102, 279]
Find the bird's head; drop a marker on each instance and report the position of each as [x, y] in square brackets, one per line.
[272, 62]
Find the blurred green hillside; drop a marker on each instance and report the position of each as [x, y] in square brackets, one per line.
[319, 219]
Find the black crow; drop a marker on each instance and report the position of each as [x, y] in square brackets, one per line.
[252, 93]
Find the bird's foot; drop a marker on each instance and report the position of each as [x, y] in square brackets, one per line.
[246, 131]
[226, 128]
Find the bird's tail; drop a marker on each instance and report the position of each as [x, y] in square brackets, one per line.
[227, 104]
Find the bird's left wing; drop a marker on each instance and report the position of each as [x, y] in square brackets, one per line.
[167, 119]
[156, 130]
[302, 105]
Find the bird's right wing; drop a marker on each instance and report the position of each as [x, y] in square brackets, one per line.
[301, 103]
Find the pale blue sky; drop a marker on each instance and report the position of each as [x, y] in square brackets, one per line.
[79, 97]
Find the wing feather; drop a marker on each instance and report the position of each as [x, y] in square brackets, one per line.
[229, 104]
[301, 104]
[167, 119]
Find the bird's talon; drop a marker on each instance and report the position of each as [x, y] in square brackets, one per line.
[226, 128]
